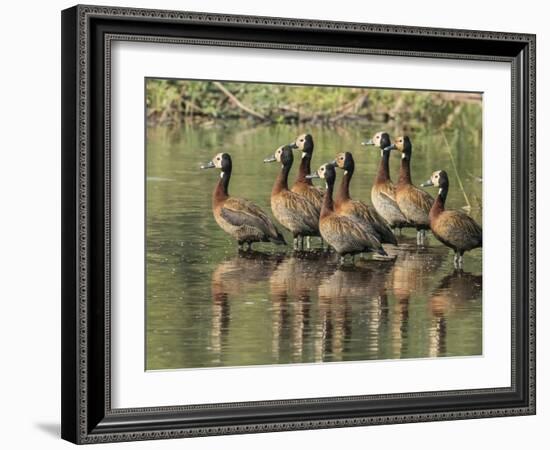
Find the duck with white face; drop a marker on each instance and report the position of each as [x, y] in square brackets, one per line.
[302, 185]
[346, 234]
[453, 228]
[382, 193]
[293, 211]
[413, 202]
[345, 205]
[240, 218]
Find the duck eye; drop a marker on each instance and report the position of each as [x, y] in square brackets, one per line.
[218, 158]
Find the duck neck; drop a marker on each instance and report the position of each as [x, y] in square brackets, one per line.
[383, 173]
[305, 169]
[439, 204]
[221, 190]
[405, 170]
[281, 182]
[328, 205]
[343, 192]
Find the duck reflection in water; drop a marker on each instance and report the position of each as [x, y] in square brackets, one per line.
[350, 292]
[412, 275]
[320, 311]
[451, 296]
[291, 286]
[233, 278]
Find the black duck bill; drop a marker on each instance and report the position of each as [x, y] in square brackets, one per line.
[208, 165]
[278, 155]
[317, 175]
[427, 183]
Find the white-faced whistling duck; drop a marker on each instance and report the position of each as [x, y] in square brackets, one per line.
[413, 202]
[382, 193]
[293, 211]
[240, 218]
[346, 234]
[453, 228]
[303, 185]
[343, 204]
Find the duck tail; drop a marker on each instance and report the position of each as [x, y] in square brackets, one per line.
[381, 251]
[387, 235]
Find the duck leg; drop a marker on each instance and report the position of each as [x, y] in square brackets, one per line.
[455, 260]
[421, 237]
[308, 243]
[461, 261]
[295, 242]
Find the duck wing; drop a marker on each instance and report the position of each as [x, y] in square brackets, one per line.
[239, 212]
[385, 204]
[349, 234]
[360, 232]
[459, 229]
[415, 204]
[381, 226]
[375, 221]
[300, 210]
[312, 193]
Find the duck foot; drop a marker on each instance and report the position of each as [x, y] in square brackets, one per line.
[421, 238]
[378, 257]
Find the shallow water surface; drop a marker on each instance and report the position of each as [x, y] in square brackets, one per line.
[208, 305]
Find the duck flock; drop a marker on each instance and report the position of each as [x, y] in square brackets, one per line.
[347, 226]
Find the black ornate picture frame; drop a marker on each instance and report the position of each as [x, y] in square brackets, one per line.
[87, 34]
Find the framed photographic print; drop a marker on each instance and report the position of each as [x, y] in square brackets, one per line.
[279, 224]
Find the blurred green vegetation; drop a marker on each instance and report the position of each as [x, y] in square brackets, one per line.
[209, 103]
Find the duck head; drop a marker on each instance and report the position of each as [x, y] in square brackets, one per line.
[380, 140]
[438, 179]
[220, 161]
[344, 161]
[282, 155]
[403, 145]
[327, 172]
[304, 142]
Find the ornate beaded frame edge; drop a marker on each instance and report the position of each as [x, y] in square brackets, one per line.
[84, 13]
